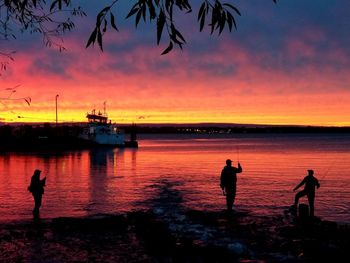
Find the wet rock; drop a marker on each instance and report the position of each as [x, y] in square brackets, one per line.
[175, 235]
[96, 223]
[6, 237]
[237, 248]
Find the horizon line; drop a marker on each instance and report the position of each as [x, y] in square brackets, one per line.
[183, 124]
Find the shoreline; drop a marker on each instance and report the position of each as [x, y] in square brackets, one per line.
[239, 210]
[169, 235]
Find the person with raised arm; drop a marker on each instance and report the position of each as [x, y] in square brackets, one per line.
[228, 182]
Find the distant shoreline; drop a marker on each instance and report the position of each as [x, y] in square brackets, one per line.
[199, 124]
[224, 128]
[239, 129]
[45, 136]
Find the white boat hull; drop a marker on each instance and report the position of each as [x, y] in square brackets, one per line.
[104, 135]
[113, 139]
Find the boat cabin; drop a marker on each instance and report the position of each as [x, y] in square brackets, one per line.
[98, 118]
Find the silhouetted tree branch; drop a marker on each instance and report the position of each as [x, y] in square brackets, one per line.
[216, 14]
[6, 58]
[8, 97]
[53, 18]
[37, 16]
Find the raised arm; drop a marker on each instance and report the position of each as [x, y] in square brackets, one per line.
[239, 169]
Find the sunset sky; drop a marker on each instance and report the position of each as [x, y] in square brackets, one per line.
[286, 64]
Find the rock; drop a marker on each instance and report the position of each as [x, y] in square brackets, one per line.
[237, 248]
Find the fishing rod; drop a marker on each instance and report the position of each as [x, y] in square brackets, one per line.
[327, 171]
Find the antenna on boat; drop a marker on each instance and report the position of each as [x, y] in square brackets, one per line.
[104, 108]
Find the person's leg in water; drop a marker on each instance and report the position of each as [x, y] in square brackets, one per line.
[37, 202]
[296, 201]
[298, 196]
[311, 198]
[229, 201]
[230, 198]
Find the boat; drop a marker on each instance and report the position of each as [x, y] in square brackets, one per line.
[101, 131]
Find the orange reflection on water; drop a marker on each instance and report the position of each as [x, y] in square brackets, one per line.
[118, 180]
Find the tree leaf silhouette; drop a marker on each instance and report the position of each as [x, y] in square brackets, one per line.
[168, 49]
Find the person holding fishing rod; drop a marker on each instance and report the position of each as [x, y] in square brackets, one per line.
[311, 183]
[228, 182]
[36, 187]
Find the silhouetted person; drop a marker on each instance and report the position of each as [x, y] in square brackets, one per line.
[36, 187]
[228, 182]
[311, 183]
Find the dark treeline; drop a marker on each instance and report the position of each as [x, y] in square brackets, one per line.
[39, 136]
[39, 130]
[191, 129]
[66, 136]
[46, 130]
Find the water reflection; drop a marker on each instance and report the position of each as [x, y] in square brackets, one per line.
[99, 162]
[110, 175]
[117, 180]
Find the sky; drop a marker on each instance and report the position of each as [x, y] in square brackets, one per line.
[287, 63]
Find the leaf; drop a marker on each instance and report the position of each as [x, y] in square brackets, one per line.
[214, 19]
[28, 100]
[24, 3]
[151, 9]
[231, 19]
[169, 5]
[168, 49]
[160, 25]
[222, 22]
[232, 7]
[92, 38]
[99, 39]
[104, 10]
[138, 16]
[113, 22]
[105, 26]
[201, 11]
[53, 5]
[175, 33]
[133, 11]
[187, 5]
[101, 14]
[201, 25]
[144, 12]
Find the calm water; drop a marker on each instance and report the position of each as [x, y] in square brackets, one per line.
[110, 181]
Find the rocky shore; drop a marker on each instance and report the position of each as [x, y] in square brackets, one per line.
[159, 235]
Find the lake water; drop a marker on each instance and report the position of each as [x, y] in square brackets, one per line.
[119, 180]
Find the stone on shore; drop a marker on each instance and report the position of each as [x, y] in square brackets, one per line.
[154, 237]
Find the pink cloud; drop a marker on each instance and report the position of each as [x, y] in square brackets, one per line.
[228, 84]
